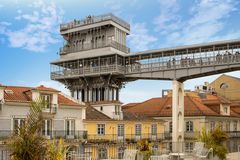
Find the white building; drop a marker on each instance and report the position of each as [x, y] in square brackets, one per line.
[63, 116]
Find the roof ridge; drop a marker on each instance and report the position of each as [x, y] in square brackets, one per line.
[71, 98]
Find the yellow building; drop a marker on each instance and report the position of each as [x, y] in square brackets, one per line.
[227, 86]
[108, 137]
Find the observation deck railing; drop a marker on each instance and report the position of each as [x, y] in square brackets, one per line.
[94, 19]
[88, 46]
[139, 67]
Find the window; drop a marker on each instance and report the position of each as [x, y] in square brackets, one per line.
[221, 125]
[138, 129]
[121, 130]
[47, 127]
[154, 129]
[235, 126]
[227, 126]
[102, 153]
[117, 109]
[224, 86]
[212, 126]
[189, 126]
[101, 129]
[120, 152]
[70, 127]
[170, 127]
[225, 109]
[47, 100]
[188, 147]
[17, 124]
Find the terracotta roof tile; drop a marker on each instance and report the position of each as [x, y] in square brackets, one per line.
[23, 94]
[93, 114]
[43, 88]
[193, 106]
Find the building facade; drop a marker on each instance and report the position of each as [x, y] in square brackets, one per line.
[63, 116]
[228, 87]
[202, 110]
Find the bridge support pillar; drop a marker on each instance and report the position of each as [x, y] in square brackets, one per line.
[178, 116]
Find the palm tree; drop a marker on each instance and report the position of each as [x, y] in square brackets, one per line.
[28, 143]
[57, 150]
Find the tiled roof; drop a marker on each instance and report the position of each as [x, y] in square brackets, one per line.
[23, 94]
[193, 106]
[128, 116]
[129, 105]
[93, 114]
[43, 88]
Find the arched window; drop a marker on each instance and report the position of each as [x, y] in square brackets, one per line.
[223, 86]
[102, 153]
[189, 126]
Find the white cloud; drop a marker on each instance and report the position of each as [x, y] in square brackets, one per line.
[207, 20]
[167, 20]
[40, 30]
[114, 6]
[55, 85]
[140, 39]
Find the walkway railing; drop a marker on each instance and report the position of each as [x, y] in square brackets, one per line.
[59, 71]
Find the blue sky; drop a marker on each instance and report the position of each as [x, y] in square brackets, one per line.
[29, 34]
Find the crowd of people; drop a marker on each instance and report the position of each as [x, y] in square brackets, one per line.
[227, 57]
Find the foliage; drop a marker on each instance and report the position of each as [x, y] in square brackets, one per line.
[27, 142]
[144, 147]
[57, 150]
[215, 140]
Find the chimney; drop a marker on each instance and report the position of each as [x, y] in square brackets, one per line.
[2, 92]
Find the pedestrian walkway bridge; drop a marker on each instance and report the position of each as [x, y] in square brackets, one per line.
[179, 63]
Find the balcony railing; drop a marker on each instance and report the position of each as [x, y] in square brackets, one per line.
[94, 19]
[56, 134]
[126, 137]
[87, 46]
[52, 109]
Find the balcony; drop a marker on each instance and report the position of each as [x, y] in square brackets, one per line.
[124, 138]
[51, 109]
[187, 135]
[94, 19]
[88, 46]
[55, 134]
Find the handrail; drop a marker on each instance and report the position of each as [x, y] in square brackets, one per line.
[94, 19]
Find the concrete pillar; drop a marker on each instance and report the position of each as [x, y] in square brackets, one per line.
[99, 94]
[178, 116]
[90, 94]
[106, 94]
[80, 94]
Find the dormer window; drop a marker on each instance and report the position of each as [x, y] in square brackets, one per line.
[225, 109]
[47, 100]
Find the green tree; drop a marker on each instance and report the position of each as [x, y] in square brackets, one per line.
[27, 143]
[215, 140]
